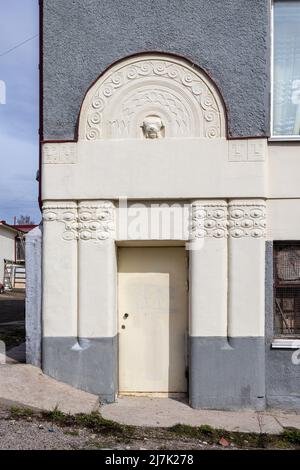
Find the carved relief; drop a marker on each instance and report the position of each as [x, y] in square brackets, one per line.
[96, 221]
[88, 221]
[238, 219]
[60, 153]
[250, 150]
[164, 87]
[247, 219]
[209, 219]
[177, 114]
[257, 149]
[65, 214]
[153, 127]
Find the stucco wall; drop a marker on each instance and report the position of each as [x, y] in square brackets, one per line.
[282, 376]
[229, 40]
[33, 255]
[7, 248]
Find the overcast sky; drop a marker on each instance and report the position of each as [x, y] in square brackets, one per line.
[19, 116]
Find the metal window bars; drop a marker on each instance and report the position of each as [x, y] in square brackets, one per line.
[287, 289]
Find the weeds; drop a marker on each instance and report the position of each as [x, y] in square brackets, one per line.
[291, 435]
[289, 438]
[19, 413]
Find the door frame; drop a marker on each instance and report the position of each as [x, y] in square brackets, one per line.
[154, 244]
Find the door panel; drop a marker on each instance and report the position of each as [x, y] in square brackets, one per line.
[153, 318]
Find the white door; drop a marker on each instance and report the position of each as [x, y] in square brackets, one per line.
[153, 320]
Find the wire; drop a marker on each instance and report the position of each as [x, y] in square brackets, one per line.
[18, 45]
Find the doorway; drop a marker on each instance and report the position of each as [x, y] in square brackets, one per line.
[153, 320]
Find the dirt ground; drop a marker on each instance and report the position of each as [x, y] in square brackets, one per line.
[25, 429]
[31, 433]
[12, 318]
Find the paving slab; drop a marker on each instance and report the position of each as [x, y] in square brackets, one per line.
[269, 424]
[287, 420]
[166, 412]
[27, 386]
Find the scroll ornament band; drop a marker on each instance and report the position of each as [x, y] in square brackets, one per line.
[87, 221]
[209, 219]
[247, 219]
[238, 219]
[179, 90]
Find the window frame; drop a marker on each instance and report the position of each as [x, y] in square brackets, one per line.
[283, 341]
[274, 138]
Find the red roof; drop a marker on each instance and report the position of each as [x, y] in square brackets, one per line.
[24, 228]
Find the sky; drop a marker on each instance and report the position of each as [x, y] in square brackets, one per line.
[19, 109]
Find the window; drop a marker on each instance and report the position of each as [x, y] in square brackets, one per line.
[286, 69]
[20, 248]
[287, 289]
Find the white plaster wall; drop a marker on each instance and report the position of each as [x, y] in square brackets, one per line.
[97, 289]
[153, 220]
[155, 169]
[208, 289]
[246, 268]
[283, 170]
[227, 265]
[59, 275]
[284, 219]
[246, 298]
[7, 248]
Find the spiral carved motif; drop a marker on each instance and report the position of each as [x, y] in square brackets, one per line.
[166, 74]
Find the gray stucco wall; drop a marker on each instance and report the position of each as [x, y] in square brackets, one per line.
[228, 39]
[34, 296]
[227, 373]
[282, 376]
[91, 367]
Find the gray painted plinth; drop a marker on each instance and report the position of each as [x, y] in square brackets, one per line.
[229, 40]
[90, 364]
[33, 253]
[282, 376]
[227, 374]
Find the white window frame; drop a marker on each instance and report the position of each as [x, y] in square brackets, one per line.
[290, 138]
[286, 343]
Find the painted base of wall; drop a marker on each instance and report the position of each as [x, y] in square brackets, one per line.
[282, 376]
[227, 374]
[282, 380]
[90, 365]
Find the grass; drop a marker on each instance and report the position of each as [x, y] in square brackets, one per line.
[288, 439]
[93, 421]
[17, 412]
[291, 435]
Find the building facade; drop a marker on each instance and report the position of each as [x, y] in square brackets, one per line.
[171, 201]
[12, 270]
